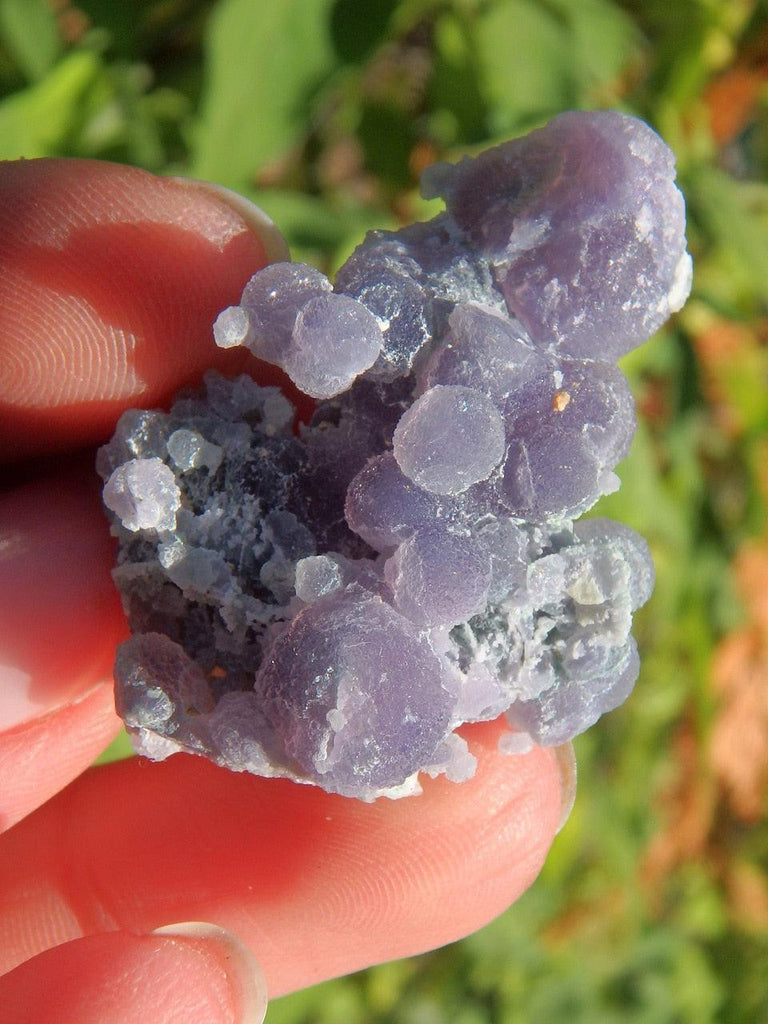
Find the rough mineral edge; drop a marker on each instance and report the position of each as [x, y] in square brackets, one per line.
[329, 606]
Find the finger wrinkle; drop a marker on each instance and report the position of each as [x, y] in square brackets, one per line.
[153, 857]
[109, 297]
[60, 616]
[31, 922]
[42, 756]
[31, 206]
[118, 324]
[121, 978]
[316, 885]
[48, 367]
[54, 902]
[65, 353]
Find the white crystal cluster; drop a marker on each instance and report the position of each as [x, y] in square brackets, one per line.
[331, 605]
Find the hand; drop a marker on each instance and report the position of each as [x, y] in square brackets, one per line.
[110, 279]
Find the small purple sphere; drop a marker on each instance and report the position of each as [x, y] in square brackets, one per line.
[330, 606]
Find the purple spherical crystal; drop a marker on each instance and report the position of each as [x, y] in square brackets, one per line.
[567, 429]
[329, 606]
[143, 495]
[438, 578]
[388, 282]
[373, 708]
[267, 313]
[334, 340]
[159, 685]
[450, 438]
[583, 227]
[485, 350]
[384, 507]
[288, 315]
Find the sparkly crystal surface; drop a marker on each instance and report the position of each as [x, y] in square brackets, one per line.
[330, 605]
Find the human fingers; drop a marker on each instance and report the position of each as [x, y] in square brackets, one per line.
[60, 621]
[89, 247]
[188, 973]
[316, 885]
[110, 280]
[428, 911]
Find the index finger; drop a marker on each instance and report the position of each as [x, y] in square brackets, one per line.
[110, 281]
[315, 884]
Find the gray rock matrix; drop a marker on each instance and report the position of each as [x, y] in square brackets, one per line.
[330, 605]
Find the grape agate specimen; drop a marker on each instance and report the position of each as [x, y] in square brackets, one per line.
[329, 605]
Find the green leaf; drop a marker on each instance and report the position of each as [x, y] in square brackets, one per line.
[358, 26]
[317, 233]
[388, 136]
[122, 20]
[28, 29]
[459, 114]
[118, 750]
[735, 217]
[38, 121]
[603, 39]
[538, 57]
[263, 62]
[523, 58]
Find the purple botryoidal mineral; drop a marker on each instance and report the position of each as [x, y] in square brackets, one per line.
[330, 606]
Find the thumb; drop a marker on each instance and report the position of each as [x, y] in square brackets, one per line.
[189, 972]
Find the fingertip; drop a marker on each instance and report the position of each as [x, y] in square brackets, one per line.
[111, 279]
[566, 763]
[275, 245]
[174, 976]
[60, 621]
[60, 614]
[289, 868]
[246, 978]
[45, 755]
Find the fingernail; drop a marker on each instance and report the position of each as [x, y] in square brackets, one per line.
[20, 704]
[16, 703]
[243, 971]
[566, 762]
[275, 246]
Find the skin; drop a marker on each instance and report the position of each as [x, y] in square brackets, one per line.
[109, 281]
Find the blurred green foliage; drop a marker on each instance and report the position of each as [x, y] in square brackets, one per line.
[653, 906]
